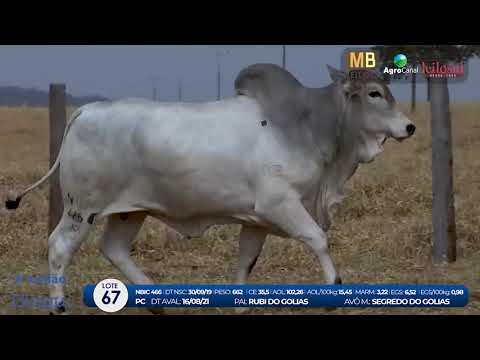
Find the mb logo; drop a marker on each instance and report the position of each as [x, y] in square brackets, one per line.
[361, 59]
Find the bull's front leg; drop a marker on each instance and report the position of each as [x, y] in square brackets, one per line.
[287, 212]
[251, 240]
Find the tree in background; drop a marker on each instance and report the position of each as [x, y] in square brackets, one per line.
[443, 210]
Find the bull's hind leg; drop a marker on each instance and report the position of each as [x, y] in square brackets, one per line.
[116, 242]
[62, 245]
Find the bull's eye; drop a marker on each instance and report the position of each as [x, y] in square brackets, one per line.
[374, 94]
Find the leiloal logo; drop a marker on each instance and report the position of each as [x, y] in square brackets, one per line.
[435, 69]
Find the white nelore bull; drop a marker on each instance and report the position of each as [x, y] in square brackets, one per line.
[274, 158]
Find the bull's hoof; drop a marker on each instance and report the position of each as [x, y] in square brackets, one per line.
[157, 311]
[56, 313]
[60, 310]
[57, 306]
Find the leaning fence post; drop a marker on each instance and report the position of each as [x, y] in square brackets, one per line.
[58, 115]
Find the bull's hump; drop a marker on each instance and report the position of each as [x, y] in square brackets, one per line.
[265, 80]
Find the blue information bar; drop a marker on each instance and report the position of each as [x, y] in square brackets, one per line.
[294, 295]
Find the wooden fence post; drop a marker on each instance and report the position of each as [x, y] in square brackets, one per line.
[58, 115]
[443, 207]
[413, 104]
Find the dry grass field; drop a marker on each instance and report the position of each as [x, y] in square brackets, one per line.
[381, 234]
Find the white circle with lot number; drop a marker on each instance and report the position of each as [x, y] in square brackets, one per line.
[110, 295]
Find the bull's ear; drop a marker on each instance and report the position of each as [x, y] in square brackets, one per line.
[337, 75]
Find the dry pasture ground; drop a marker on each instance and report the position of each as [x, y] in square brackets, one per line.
[381, 234]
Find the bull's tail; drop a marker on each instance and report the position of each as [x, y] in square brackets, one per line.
[13, 200]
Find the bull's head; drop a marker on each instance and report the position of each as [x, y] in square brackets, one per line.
[370, 111]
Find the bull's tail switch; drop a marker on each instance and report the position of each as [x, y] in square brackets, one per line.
[12, 201]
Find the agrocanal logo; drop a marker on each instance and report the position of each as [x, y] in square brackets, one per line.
[400, 68]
